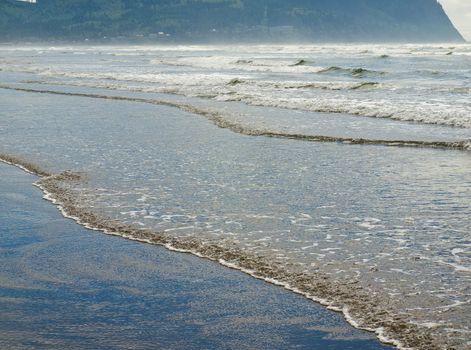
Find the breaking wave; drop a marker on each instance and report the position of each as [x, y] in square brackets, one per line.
[242, 64]
[355, 72]
[306, 85]
[371, 98]
[300, 63]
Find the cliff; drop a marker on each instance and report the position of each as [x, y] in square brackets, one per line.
[228, 20]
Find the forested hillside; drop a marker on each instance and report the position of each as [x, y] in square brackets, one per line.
[227, 20]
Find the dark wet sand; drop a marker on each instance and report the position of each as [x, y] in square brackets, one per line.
[66, 287]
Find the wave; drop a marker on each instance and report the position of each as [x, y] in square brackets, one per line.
[365, 85]
[300, 63]
[243, 62]
[223, 122]
[224, 63]
[181, 83]
[397, 105]
[235, 81]
[264, 65]
[334, 86]
[266, 93]
[418, 113]
[361, 309]
[355, 72]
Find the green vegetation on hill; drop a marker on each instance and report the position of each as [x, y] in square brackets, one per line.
[227, 20]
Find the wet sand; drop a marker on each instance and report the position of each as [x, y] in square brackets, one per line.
[63, 286]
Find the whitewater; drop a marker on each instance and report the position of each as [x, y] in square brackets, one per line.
[340, 172]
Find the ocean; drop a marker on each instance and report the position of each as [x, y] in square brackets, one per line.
[342, 173]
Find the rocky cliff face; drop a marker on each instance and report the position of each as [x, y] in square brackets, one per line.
[228, 20]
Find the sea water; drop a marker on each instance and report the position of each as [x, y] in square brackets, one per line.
[274, 160]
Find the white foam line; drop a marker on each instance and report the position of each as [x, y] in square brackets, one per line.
[18, 166]
[380, 332]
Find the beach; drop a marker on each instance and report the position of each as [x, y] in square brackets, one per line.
[63, 286]
[339, 173]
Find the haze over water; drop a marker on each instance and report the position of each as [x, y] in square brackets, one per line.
[387, 227]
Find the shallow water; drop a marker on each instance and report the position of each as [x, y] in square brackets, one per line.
[387, 227]
[65, 287]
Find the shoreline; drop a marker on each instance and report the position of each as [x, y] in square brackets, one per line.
[129, 235]
[229, 271]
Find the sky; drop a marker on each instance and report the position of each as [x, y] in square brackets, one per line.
[459, 12]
